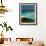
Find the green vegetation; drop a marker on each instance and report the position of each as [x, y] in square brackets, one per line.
[7, 27]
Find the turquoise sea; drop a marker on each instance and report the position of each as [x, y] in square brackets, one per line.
[28, 14]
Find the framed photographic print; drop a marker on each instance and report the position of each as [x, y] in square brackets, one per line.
[28, 13]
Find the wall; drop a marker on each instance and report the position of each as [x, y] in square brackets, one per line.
[38, 32]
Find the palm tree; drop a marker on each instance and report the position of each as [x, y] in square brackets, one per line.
[7, 29]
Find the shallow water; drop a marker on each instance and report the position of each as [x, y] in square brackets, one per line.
[28, 14]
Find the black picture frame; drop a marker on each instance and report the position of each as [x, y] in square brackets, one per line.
[28, 13]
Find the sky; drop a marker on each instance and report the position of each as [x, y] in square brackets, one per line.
[27, 7]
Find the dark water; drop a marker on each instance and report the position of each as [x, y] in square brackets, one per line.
[28, 16]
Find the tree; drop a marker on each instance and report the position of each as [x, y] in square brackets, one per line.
[7, 27]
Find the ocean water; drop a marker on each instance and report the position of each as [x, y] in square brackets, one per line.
[28, 14]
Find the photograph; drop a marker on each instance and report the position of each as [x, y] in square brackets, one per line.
[28, 13]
